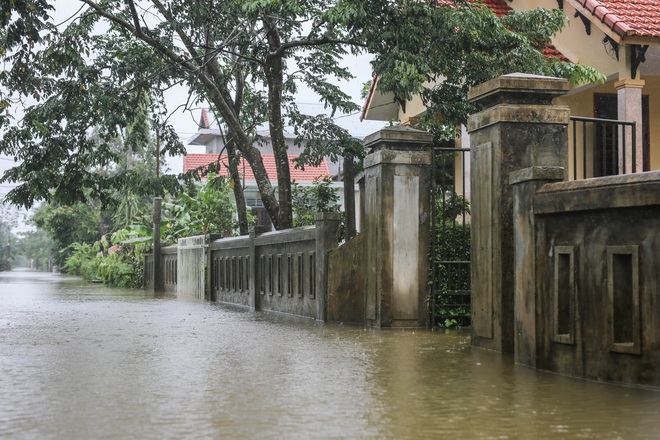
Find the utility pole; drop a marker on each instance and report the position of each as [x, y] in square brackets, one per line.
[158, 267]
[157, 152]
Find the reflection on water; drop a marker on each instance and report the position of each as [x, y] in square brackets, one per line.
[82, 361]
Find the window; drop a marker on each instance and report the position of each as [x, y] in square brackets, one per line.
[564, 295]
[623, 289]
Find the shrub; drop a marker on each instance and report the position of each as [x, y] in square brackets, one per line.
[82, 260]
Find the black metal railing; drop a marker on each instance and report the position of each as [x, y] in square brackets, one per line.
[450, 238]
[595, 147]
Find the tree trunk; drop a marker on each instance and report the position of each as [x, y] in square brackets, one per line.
[274, 76]
[349, 197]
[253, 157]
[239, 196]
[158, 267]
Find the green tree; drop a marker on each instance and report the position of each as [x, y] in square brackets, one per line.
[6, 240]
[233, 54]
[206, 209]
[246, 58]
[34, 249]
[66, 225]
[308, 200]
[442, 52]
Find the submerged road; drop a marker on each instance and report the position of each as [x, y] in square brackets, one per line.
[81, 361]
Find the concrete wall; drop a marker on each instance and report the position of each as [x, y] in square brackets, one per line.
[169, 270]
[229, 277]
[284, 271]
[379, 278]
[565, 273]
[597, 277]
[346, 282]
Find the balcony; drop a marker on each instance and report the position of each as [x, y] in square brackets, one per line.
[604, 147]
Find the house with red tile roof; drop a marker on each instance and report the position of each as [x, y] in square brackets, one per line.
[210, 135]
[199, 161]
[621, 39]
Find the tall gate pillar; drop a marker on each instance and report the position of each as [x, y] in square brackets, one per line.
[396, 223]
[518, 127]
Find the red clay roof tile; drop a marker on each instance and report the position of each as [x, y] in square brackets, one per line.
[633, 17]
[204, 120]
[192, 161]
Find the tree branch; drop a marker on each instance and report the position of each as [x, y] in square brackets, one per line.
[155, 44]
[308, 43]
[136, 19]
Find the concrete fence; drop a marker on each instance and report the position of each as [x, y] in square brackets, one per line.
[565, 275]
[169, 270]
[379, 278]
[594, 247]
[283, 271]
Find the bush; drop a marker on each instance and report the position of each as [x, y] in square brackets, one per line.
[119, 266]
[82, 260]
[118, 270]
[308, 200]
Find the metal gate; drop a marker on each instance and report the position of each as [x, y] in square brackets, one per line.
[450, 238]
[191, 276]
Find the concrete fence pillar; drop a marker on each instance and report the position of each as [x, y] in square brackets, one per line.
[209, 293]
[397, 178]
[517, 128]
[525, 183]
[253, 277]
[327, 239]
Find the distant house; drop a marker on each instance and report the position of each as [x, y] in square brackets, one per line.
[210, 136]
[621, 39]
[252, 197]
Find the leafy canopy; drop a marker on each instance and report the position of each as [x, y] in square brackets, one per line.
[101, 71]
[441, 52]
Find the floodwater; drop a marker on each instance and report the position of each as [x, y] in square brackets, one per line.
[81, 361]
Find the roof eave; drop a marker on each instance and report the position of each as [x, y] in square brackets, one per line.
[616, 29]
[380, 106]
[204, 136]
[634, 38]
[370, 95]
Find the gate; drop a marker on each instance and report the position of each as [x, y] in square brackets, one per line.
[450, 238]
[190, 277]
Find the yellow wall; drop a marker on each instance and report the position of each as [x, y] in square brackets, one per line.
[573, 41]
[414, 109]
[652, 88]
[581, 103]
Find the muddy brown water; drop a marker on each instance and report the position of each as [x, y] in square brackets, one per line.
[81, 361]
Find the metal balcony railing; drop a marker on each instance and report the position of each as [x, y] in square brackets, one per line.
[595, 148]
